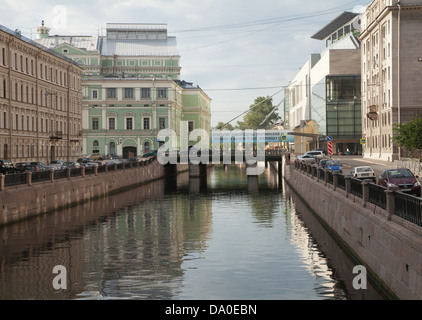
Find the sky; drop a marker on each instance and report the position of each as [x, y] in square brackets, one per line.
[235, 50]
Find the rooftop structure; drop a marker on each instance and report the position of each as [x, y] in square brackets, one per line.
[345, 24]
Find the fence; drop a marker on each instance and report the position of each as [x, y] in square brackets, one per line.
[400, 204]
[42, 176]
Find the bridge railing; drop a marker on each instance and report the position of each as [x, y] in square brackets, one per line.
[392, 200]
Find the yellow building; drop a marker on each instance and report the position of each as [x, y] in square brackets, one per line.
[40, 102]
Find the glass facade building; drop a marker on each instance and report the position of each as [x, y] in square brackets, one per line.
[343, 112]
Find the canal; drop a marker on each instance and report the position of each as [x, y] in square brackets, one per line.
[219, 238]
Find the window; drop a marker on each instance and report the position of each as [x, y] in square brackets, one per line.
[111, 93]
[146, 124]
[94, 123]
[190, 126]
[146, 93]
[146, 146]
[129, 93]
[95, 146]
[94, 94]
[162, 93]
[112, 148]
[162, 123]
[112, 123]
[129, 123]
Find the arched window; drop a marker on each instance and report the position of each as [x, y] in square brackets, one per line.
[112, 148]
[146, 147]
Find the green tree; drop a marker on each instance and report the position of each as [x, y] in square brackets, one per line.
[221, 126]
[259, 114]
[409, 135]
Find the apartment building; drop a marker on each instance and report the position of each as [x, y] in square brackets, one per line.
[40, 101]
[131, 88]
[391, 73]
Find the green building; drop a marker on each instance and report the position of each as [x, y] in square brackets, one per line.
[131, 88]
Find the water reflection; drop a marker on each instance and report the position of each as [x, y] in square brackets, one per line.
[218, 238]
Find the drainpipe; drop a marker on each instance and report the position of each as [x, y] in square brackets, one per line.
[398, 70]
[9, 71]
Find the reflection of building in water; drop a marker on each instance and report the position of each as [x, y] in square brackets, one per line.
[139, 251]
[318, 265]
[132, 243]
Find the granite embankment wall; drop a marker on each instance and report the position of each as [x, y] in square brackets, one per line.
[388, 246]
[26, 201]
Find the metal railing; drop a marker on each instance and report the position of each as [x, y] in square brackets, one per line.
[356, 187]
[15, 179]
[377, 195]
[43, 176]
[403, 205]
[408, 207]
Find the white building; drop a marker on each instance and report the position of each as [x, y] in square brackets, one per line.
[327, 88]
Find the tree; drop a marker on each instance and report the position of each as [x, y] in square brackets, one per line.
[221, 126]
[259, 112]
[409, 135]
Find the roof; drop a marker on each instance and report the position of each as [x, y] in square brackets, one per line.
[17, 34]
[334, 25]
[136, 26]
[111, 47]
[160, 47]
[82, 42]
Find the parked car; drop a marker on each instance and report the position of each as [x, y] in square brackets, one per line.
[334, 165]
[150, 154]
[316, 154]
[20, 166]
[34, 168]
[72, 164]
[307, 158]
[322, 150]
[364, 172]
[55, 165]
[323, 163]
[6, 166]
[402, 178]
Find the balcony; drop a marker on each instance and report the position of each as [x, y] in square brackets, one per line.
[56, 135]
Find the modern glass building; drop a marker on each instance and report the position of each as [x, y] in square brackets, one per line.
[343, 112]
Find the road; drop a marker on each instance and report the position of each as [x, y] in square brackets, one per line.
[349, 162]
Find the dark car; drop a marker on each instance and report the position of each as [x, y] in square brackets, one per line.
[150, 154]
[402, 178]
[323, 163]
[6, 166]
[20, 166]
[33, 168]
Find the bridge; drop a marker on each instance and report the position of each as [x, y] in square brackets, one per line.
[198, 163]
[222, 157]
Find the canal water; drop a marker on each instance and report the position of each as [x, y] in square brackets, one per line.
[223, 238]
